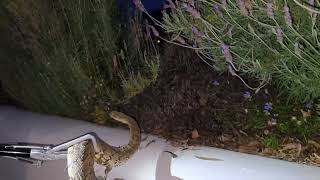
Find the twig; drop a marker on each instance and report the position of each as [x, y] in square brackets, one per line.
[173, 154]
[208, 158]
[150, 142]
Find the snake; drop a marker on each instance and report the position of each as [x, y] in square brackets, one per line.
[81, 157]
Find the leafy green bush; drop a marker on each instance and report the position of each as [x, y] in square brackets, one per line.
[274, 41]
[59, 55]
[271, 142]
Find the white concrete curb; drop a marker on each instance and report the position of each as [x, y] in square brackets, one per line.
[149, 163]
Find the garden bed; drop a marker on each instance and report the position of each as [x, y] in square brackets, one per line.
[190, 99]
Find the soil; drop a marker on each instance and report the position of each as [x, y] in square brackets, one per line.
[186, 97]
[191, 104]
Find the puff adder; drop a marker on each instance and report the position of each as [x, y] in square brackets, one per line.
[111, 156]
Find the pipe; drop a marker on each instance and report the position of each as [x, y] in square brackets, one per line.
[149, 163]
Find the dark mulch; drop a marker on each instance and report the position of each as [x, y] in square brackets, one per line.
[185, 97]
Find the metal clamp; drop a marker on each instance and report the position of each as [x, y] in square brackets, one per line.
[38, 153]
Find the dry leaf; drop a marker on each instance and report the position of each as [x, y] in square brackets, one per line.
[208, 158]
[225, 138]
[191, 148]
[315, 144]
[157, 131]
[268, 152]
[172, 154]
[306, 114]
[248, 149]
[150, 142]
[295, 148]
[195, 134]
[316, 158]
[313, 159]
[144, 138]
[290, 146]
[243, 133]
[254, 143]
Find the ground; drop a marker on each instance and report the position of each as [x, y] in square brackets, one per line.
[191, 103]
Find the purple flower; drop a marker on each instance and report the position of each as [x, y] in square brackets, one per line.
[311, 2]
[308, 105]
[216, 83]
[279, 34]
[216, 9]
[242, 7]
[287, 15]
[167, 6]
[247, 95]
[226, 52]
[267, 107]
[270, 10]
[197, 32]
[195, 45]
[193, 12]
[191, 3]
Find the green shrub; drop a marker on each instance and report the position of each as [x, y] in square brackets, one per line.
[271, 142]
[273, 41]
[64, 53]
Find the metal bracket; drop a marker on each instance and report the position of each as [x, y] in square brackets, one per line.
[40, 153]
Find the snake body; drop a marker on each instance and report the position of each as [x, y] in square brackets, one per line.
[80, 161]
[82, 156]
[110, 156]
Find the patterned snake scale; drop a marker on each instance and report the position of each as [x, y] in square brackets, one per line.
[111, 156]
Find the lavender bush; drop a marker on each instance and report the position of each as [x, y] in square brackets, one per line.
[69, 55]
[272, 40]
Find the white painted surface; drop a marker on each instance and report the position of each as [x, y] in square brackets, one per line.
[150, 163]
